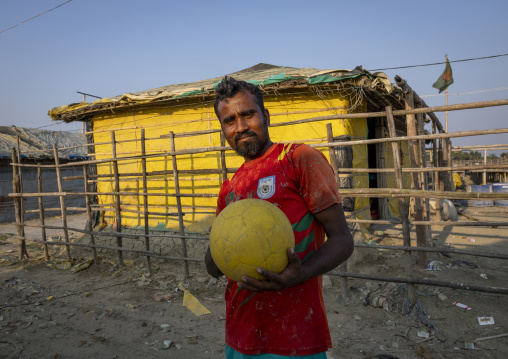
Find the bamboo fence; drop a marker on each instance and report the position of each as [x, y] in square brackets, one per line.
[441, 169]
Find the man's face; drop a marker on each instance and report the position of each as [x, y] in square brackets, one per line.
[245, 125]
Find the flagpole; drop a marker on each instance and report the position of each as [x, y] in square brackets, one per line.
[446, 112]
[446, 97]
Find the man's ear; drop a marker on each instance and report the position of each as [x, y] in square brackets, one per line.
[267, 117]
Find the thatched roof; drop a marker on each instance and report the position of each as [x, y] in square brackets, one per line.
[376, 86]
[38, 144]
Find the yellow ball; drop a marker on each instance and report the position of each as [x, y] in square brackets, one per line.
[248, 234]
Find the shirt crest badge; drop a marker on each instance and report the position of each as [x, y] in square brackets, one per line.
[266, 187]
[229, 198]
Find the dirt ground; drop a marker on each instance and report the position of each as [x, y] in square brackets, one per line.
[58, 309]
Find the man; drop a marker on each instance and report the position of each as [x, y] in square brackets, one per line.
[283, 315]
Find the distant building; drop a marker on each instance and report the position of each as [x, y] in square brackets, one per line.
[37, 147]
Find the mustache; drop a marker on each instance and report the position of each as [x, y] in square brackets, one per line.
[243, 135]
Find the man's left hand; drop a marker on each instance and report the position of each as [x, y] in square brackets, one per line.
[294, 274]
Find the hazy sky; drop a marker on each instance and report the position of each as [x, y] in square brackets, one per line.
[111, 47]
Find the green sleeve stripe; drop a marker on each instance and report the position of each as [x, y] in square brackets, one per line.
[304, 223]
[305, 243]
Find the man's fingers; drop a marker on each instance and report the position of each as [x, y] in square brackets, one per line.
[256, 285]
[293, 257]
[268, 275]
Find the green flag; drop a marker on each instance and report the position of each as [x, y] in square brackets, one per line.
[446, 78]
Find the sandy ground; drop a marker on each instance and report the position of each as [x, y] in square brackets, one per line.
[50, 310]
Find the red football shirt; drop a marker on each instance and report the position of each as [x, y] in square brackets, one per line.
[300, 181]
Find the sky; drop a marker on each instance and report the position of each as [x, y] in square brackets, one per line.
[110, 47]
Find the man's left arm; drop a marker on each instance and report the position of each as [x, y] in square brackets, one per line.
[336, 249]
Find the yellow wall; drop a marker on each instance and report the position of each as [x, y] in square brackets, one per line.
[194, 116]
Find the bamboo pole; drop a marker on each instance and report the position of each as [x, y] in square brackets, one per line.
[402, 204]
[412, 281]
[479, 147]
[41, 212]
[485, 162]
[179, 205]
[362, 245]
[434, 223]
[380, 164]
[145, 199]
[55, 208]
[63, 210]
[423, 109]
[449, 163]
[424, 178]
[114, 234]
[435, 160]
[20, 228]
[144, 253]
[354, 192]
[421, 235]
[224, 169]
[118, 210]
[418, 100]
[333, 161]
[395, 192]
[20, 176]
[89, 216]
[317, 145]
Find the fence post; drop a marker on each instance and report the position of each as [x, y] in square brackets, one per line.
[20, 229]
[424, 176]
[380, 163]
[179, 204]
[89, 215]
[41, 212]
[223, 158]
[63, 210]
[404, 210]
[421, 237]
[118, 221]
[20, 179]
[344, 158]
[145, 198]
[333, 161]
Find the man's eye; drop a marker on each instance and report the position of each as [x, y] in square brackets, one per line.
[229, 121]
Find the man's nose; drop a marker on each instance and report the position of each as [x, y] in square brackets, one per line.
[241, 125]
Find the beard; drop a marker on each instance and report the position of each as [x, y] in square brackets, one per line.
[251, 148]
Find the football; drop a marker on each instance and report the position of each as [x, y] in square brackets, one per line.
[248, 234]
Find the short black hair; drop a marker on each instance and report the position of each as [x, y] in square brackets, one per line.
[229, 87]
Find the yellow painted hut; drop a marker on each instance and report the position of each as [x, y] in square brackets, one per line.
[186, 110]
